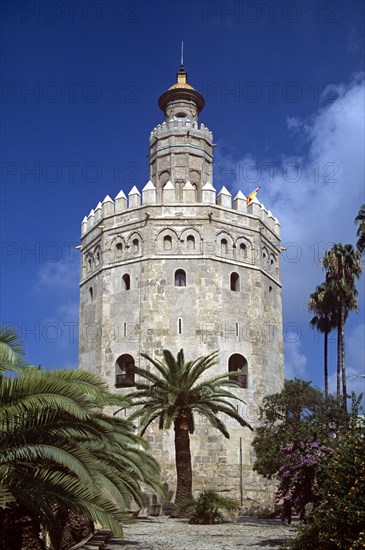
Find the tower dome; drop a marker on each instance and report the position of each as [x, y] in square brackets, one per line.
[181, 100]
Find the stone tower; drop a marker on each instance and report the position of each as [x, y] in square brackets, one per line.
[181, 267]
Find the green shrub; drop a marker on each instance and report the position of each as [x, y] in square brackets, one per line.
[338, 521]
[208, 508]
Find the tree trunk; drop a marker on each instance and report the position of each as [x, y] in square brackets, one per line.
[183, 465]
[326, 365]
[343, 362]
[20, 530]
[339, 361]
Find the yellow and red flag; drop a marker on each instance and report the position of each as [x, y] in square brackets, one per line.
[252, 195]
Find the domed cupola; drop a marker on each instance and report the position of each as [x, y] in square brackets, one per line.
[181, 101]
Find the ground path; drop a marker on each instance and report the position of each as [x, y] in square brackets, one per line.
[163, 533]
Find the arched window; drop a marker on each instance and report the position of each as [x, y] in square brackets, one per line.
[97, 258]
[167, 243]
[119, 250]
[135, 247]
[180, 277]
[190, 241]
[235, 282]
[238, 363]
[124, 371]
[243, 250]
[89, 265]
[224, 247]
[91, 293]
[126, 281]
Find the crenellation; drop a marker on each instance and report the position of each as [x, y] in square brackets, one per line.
[90, 219]
[188, 197]
[239, 202]
[120, 202]
[271, 220]
[107, 206]
[169, 193]
[254, 208]
[208, 194]
[84, 226]
[149, 195]
[98, 212]
[224, 198]
[134, 198]
[189, 193]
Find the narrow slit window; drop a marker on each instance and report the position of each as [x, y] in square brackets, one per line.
[224, 247]
[135, 244]
[91, 293]
[190, 242]
[119, 250]
[126, 281]
[167, 243]
[179, 326]
[235, 282]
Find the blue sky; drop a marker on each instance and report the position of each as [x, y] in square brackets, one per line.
[284, 89]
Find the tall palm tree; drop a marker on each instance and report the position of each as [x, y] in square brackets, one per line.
[360, 219]
[323, 303]
[60, 453]
[172, 392]
[343, 266]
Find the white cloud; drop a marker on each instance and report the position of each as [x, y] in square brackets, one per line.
[293, 123]
[58, 276]
[295, 360]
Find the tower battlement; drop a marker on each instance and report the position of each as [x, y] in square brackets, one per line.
[181, 125]
[222, 200]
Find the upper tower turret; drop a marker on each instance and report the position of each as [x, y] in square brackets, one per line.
[181, 151]
[181, 100]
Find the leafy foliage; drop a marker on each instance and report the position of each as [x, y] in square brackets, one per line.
[298, 413]
[299, 475]
[60, 451]
[208, 508]
[11, 350]
[360, 219]
[338, 522]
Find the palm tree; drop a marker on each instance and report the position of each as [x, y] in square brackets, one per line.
[323, 303]
[60, 453]
[11, 350]
[360, 219]
[343, 266]
[172, 393]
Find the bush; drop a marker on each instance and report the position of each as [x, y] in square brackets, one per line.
[338, 521]
[208, 508]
